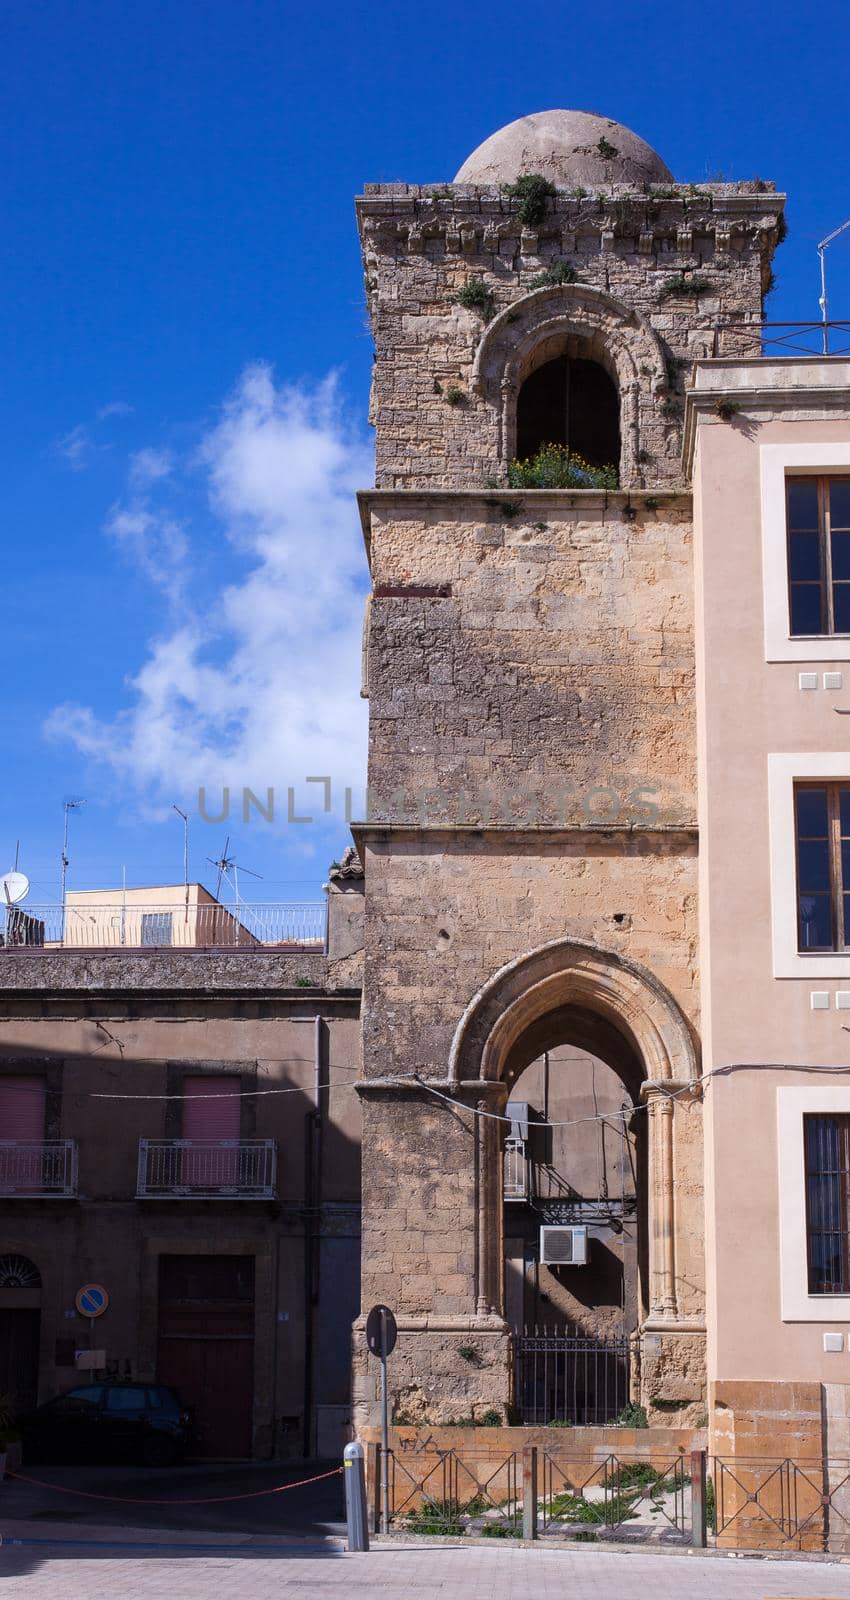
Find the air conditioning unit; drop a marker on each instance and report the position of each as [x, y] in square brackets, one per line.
[563, 1247]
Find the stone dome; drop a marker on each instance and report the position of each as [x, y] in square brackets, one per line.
[568, 148]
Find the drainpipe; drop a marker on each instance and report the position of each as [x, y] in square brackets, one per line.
[312, 1202]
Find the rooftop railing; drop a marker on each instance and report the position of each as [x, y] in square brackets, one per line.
[139, 926]
[783, 339]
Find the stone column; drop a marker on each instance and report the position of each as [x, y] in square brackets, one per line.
[662, 1253]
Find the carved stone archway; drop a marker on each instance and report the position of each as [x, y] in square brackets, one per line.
[626, 998]
[579, 320]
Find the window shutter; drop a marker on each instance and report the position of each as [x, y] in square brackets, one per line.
[22, 1109]
[205, 1116]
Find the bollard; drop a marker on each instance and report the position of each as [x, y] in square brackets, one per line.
[698, 1528]
[355, 1497]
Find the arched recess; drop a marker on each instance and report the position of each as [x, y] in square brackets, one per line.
[584, 323]
[643, 1032]
[20, 1328]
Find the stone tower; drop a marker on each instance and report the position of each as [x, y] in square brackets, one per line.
[530, 848]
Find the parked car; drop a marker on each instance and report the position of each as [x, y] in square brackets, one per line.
[143, 1422]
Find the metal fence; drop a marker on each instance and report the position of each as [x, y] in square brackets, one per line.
[784, 339]
[534, 1494]
[445, 1494]
[645, 1495]
[138, 926]
[207, 1169]
[563, 1377]
[44, 1170]
[780, 1504]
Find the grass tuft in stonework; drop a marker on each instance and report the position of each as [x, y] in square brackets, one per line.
[632, 1416]
[554, 467]
[475, 296]
[561, 272]
[682, 285]
[532, 192]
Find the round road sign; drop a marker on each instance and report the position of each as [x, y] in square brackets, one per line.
[92, 1300]
[381, 1331]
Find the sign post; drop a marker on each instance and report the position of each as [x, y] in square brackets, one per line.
[381, 1336]
[91, 1301]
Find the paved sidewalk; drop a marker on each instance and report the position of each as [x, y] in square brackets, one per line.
[444, 1572]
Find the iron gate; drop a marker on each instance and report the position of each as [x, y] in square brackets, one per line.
[561, 1376]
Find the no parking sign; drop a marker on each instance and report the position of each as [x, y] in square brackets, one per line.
[91, 1300]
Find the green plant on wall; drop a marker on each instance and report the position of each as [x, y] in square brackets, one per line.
[683, 285]
[606, 149]
[554, 467]
[561, 272]
[475, 296]
[532, 192]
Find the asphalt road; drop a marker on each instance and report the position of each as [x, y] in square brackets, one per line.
[314, 1510]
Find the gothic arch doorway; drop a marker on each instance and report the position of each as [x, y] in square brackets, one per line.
[574, 994]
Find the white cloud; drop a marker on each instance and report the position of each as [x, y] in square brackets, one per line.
[149, 466]
[76, 448]
[156, 541]
[115, 408]
[262, 688]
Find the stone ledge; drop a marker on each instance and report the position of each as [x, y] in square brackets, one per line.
[189, 972]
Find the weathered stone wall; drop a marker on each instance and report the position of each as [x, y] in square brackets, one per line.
[554, 664]
[446, 911]
[423, 243]
[529, 665]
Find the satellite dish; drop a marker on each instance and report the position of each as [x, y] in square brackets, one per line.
[13, 887]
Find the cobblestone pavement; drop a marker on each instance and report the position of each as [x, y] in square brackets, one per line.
[445, 1572]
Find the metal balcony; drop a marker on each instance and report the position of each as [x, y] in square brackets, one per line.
[207, 1169]
[516, 1185]
[43, 1171]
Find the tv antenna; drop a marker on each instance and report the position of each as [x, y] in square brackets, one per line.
[67, 806]
[227, 864]
[823, 302]
[185, 853]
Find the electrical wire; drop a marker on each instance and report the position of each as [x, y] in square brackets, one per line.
[607, 1117]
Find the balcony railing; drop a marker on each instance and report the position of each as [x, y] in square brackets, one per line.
[207, 1169]
[516, 1170]
[43, 1171]
[91, 926]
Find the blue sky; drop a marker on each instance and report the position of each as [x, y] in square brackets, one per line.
[186, 360]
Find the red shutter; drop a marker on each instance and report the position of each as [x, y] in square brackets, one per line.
[22, 1109]
[205, 1116]
[211, 1113]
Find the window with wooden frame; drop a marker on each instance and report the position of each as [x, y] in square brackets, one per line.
[826, 1143]
[818, 530]
[822, 826]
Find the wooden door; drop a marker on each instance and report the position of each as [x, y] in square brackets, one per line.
[206, 1346]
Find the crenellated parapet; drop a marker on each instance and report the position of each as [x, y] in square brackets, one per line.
[683, 262]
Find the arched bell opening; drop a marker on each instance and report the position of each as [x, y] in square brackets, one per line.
[573, 402]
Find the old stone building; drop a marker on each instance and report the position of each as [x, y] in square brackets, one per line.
[570, 714]
[604, 949]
